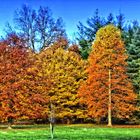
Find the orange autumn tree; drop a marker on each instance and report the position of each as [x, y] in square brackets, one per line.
[33, 89]
[21, 93]
[13, 62]
[107, 92]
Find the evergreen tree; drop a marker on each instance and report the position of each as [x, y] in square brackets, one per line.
[120, 20]
[87, 33]
[128, 34]
[110, 19]
[133, 50]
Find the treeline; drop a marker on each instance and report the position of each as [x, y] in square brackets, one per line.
[46, 78]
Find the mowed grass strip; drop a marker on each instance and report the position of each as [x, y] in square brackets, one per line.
[72, 132]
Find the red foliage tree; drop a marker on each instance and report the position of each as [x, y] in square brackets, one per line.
[21, 94]
[12, 64]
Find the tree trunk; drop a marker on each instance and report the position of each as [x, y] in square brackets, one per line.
[10, 122]
[52, 120]
[109, 99]
[9, 126]
[51, 130]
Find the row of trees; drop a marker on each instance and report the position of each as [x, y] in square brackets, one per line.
[59, 81]
[86, 33]
[40, 85]
[130, 34]
[38, 30]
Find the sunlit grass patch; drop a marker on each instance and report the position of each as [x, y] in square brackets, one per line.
[72, 132]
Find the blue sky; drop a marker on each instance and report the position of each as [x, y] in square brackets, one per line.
[72, 11]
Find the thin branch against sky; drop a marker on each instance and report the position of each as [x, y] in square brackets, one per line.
[72, 11]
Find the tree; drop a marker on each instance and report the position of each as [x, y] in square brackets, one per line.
[84, 48]
[13, 40]
[74, 48]
[128, 34]
[133, 59]
[13, 63]
[120, 19]
[87, 33]
[107, 92]
[48, 29]
[133, 69]
[60, 43]
[22, 88]
[38, 28]
[36, 86]
[66, 70]
[110, 19]
[25, 19]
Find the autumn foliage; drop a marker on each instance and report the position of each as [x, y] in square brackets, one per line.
[21, 94]
[57, 83]
[13, 62]
[66, 70]
[107, 90]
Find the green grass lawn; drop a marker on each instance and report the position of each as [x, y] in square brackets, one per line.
[72, 132]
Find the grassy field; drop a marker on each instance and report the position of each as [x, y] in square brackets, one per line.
[72, 132]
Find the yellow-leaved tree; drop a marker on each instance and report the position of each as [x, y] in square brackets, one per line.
[66, 70]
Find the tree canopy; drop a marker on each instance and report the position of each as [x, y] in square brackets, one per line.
[107, 90]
